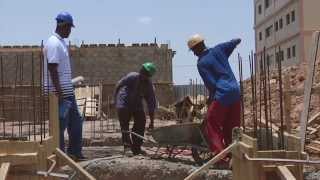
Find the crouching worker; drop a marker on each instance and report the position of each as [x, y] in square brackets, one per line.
[224, 94]
[129, 93]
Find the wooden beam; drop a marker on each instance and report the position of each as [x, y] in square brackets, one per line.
[20, 159]
[82, 173]
[13, 147]
[4, 170]
[54, 119]
[313, 119]
[285, 173]
[215, 159]
[272, 168]
[308, 88]
[313, 148]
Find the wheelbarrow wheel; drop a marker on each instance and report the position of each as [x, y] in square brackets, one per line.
[201, 156]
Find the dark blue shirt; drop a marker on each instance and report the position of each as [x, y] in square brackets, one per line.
[131, 90]
[217, 75]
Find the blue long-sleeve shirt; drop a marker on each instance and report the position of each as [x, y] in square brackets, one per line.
[215, 70]
[131, 90]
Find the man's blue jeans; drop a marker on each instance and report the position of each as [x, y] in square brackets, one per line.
[71, 120]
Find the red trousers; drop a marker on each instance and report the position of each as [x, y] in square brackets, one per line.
[219, 124]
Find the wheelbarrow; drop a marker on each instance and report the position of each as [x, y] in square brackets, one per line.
[187, 136]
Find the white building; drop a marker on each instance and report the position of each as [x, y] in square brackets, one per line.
[287, 24]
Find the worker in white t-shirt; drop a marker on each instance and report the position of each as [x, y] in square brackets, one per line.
[58, 80]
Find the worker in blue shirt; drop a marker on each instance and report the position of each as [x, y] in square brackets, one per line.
[129, 94]
[224, 94]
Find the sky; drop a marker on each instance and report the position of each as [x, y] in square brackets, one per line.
[27, 22]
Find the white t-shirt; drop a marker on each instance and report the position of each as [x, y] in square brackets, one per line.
[56, 52]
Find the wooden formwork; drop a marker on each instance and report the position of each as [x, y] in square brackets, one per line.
[27, 158]
[244, 167]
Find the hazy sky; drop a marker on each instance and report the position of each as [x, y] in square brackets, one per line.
[103, 21]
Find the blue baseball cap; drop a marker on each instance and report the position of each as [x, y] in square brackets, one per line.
[65, 17]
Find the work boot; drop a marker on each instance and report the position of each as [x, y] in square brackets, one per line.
[127, 152]
[78, 158]
[139, 151]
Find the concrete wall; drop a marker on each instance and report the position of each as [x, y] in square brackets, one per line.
[107, 63]
[103, 63]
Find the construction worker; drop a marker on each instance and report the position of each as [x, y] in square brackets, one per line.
[58, 80]
[224, 95]
[129, 93]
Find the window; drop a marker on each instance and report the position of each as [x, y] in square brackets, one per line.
[294, 51]
[260, 36]
[269, 31]
[280, 23]
[259, 9]
[288, 19]
[293, 16]
[276, 26]
[266, 3]
[288, 53]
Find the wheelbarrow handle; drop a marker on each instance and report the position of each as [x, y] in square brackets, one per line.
[139, 136]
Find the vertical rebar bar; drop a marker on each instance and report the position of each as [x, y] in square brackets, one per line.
[14, 97]
[260, 96]
[2, 96]
[270, 106]
[34, 94]
[252, 97]
[265, 99]
[20, 100]
[241, 92]
[280, 97]
[196, 93]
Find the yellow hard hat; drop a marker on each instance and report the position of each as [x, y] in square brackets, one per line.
[194, 40]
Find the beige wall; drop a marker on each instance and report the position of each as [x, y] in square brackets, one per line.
[285, 37]
[104, 63]
[311, 13]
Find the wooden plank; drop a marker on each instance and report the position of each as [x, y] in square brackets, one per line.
[270, 168]
[215, 159]
[314, 119]
[308, 87]
[12, 147]
[80, 171]
[20, 159]
[293, 142]
[54, 119]
[313, 148]
[285, 173]
[4, 170]
[248, 140]
[49, 145]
